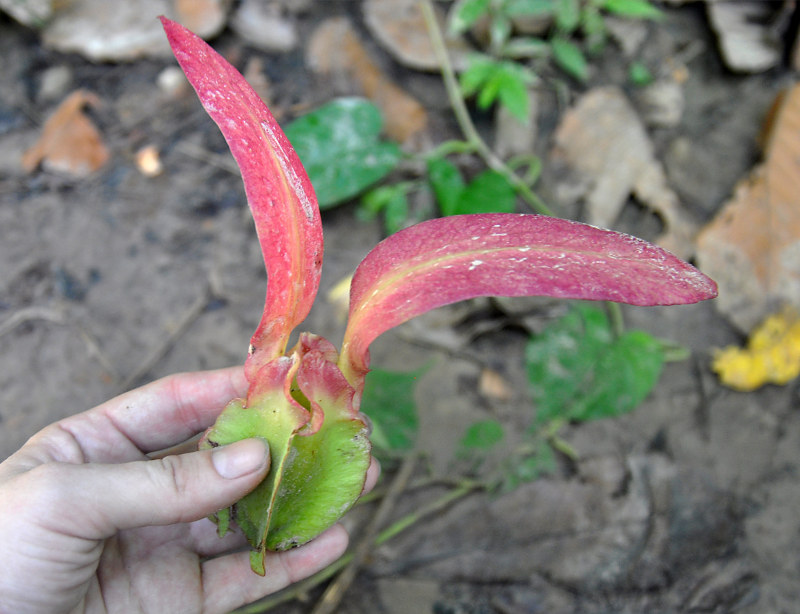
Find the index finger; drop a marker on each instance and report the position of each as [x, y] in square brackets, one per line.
[156, 416]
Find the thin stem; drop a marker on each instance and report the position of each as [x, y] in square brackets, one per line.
[302, 587]
[465, 121]
[335, 592]
[616, 319]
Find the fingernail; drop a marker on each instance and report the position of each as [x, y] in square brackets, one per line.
[241, 458]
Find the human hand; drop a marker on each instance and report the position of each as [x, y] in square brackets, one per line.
[90, 523]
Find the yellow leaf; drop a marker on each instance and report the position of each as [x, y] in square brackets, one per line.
[772, 355]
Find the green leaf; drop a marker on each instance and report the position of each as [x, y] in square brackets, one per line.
[499, 30]
[568, 13]
[479, 69]
[578, 369]
[593, 28]
[522, 469]
[389, 402]
[570, 58]
[488, 192]
[482, 435]
[635, 9]
[395, 215]
[624, 376]
[447, 184]
[340, 147]
[490, 90]
[492, 79]
[465, 13]
[513, 8]
[391, 200]
[526, 47]
[639, 74]
[514, 97]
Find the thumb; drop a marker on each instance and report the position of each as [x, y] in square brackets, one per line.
[181, 488]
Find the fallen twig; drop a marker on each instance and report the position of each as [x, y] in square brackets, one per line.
[302, 587]
[28, 314]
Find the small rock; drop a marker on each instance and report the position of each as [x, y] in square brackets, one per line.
[399, 26]
[746, 38]
[493, 385]
[206, 18]
[258, 80]
[32, 13]
[148, 161]
[120, 31]
[103, 31]
[172, 81]
[55, 82]
[264, 26]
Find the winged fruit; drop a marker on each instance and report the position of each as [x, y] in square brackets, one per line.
[304, 400]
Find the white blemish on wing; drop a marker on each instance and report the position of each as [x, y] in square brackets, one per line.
[475, 264]
[291, 175]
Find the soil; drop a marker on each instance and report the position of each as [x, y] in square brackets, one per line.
[689, 504]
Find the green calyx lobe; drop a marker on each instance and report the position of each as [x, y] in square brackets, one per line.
[302, 406]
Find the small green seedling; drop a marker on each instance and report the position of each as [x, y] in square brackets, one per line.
[304, 400]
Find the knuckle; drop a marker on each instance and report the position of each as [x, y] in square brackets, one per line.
[173, 474]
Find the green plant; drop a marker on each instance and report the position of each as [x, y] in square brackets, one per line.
[577, 28]
[305, 400]
[340, 147]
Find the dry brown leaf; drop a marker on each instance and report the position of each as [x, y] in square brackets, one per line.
[70, 143]
[604, 142]
[752, 247]
[336, 50]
